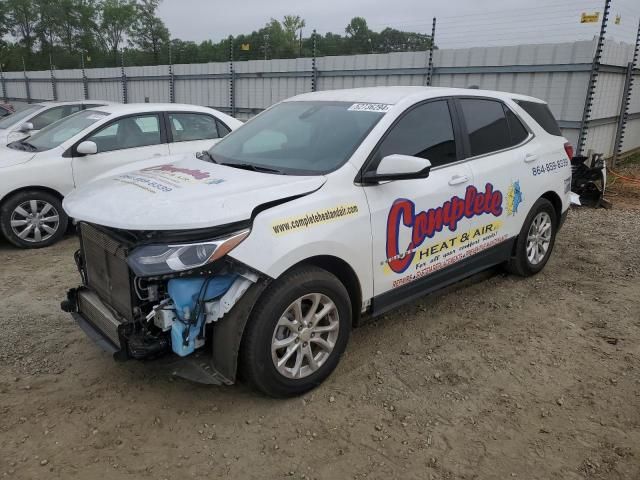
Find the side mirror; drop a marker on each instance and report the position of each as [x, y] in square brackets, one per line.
[398, 167]
[87, 148]
[26, 127]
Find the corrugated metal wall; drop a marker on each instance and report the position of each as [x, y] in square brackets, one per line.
[557, 73]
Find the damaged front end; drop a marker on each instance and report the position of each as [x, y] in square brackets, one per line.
[588, 180]
[156, 295]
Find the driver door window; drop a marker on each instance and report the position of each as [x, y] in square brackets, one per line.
[426, 131]
[122, 142]
[128, 132]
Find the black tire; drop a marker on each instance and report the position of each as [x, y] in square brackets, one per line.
[520, 263]
[256, 361]
[24, 199]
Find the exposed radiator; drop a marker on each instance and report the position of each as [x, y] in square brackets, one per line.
[99, 315]
[107, 270]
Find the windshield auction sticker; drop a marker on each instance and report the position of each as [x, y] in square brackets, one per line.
[370, 107]
[165, 178]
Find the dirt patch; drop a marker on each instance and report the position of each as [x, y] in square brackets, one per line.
[499, 377]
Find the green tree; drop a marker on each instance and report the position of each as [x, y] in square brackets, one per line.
[291, 25]
[23, 17]
[47, 25]
[392, 40]
[118, 17]
[149, 32]
[88, 34]
[360, 37]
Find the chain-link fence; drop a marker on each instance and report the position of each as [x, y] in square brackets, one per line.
[581, 59]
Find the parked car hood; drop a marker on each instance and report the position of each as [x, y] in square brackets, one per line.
[10, 157]
[187, 194]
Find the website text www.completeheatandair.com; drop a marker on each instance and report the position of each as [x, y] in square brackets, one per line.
[314, 218]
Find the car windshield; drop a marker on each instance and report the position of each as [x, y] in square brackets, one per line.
[62, 130]
[14, 118]
[299, 137]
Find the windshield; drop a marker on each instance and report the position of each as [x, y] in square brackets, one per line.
[14, 118]
[61, 131]
[298, 137]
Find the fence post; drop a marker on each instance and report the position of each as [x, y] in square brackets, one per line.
[27, 86]
[314, 65]
[123, 79]
[593, 80]
[172, 79]
[232, 93]
[85, 80]
[4, 85]
[430, 63]
[626, 100]
[54, 86]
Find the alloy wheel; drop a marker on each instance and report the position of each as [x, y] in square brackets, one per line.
[539, 238]
[305, 335]
[35, 221]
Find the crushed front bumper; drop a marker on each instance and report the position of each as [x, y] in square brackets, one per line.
[107, 330]
[215, 365]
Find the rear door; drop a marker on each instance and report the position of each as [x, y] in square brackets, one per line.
[191, 132]
[499, 147]
[419, 226]
[122, 141]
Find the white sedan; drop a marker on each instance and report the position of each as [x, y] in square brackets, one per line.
[36, 116]
[38, 171]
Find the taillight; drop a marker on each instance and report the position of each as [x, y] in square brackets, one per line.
[569, 149]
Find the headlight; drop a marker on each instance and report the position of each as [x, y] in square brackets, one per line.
[150, 260]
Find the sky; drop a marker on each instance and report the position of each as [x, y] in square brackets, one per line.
[460, 22]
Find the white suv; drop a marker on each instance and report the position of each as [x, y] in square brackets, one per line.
[327, 208]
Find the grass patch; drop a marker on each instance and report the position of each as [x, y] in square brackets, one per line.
[630, 161]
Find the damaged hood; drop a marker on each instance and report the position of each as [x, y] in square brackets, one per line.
[187, 194]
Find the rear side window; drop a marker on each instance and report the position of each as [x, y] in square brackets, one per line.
[540, 113]
[518, 132]
[486, 124]
[186, 127]
[426, 132]
[222, 128]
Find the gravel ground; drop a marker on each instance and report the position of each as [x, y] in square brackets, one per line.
[498, 377]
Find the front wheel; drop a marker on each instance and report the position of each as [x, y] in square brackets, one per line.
[33, 219]
[536, 240]
[297, 332]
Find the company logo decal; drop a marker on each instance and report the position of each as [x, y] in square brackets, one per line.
[166, 178]
[427, 223]
[196, 174]
[514, 198]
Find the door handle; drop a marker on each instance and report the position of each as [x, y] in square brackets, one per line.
[157, 154]
[458, 179]
[530, 157]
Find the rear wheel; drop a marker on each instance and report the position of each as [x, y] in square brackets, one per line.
[297, 333]
[33, 219]
[536, 240]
